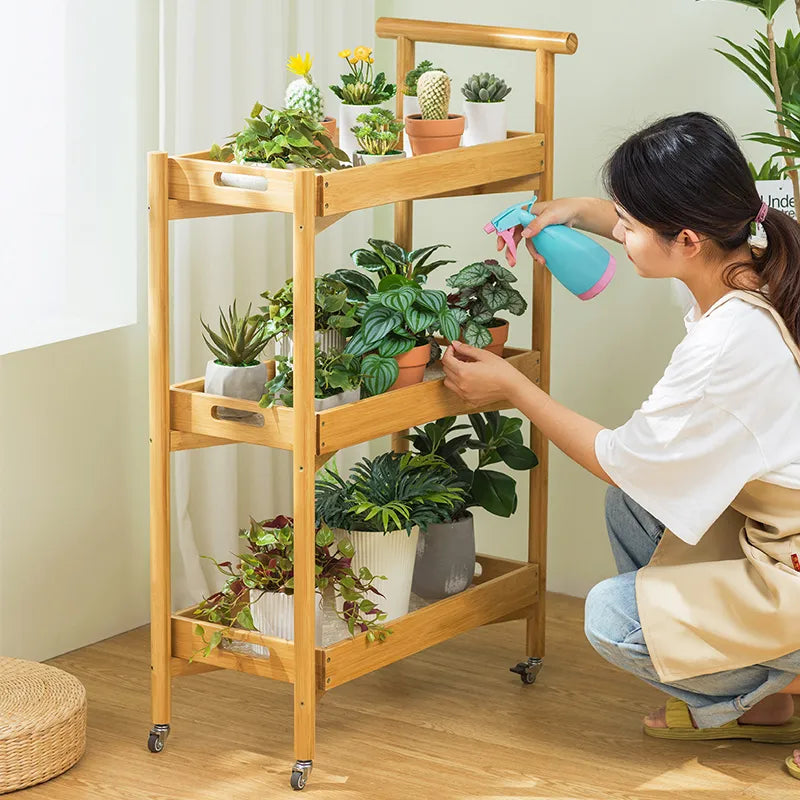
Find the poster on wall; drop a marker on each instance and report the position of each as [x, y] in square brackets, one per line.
[778, 194]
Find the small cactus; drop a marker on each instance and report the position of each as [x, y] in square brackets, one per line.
[433, 93]
[485, 88]
[304, 94]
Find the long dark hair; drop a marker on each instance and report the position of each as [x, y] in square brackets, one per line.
[687, 172]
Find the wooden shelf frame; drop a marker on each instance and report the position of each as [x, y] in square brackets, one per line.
[183, 417]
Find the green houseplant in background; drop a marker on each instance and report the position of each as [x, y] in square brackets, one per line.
[483, 290]
[377, 133]
[386, 258]
[484, 109]
[445, 561]
[306, 96]
[258, 593]
[409, 88]
[235, 370]
[381, 506]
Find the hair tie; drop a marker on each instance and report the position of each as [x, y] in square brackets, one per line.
[758, 236]
[762, 214]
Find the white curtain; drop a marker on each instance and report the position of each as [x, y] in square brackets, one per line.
[217, 59]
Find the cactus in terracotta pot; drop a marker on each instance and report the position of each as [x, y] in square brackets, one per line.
[433, 93]
[434, 128]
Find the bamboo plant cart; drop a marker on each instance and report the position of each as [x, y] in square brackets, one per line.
[182, 416]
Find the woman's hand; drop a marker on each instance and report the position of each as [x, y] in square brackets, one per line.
[478, 376]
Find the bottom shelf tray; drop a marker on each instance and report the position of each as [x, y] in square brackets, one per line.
[505, 589]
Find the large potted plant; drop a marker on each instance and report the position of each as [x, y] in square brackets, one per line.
[334, 315]
[410, 101]
[258, 593]
[484, 109]
[337, 381]
[359, 91]
[483, 291]
[434, 128]
[381, 507]
[284, 138]
[305, 95]
[235, 370]
[445, 561]
[377, 133]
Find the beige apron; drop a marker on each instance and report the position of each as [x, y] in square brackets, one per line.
[733, 599]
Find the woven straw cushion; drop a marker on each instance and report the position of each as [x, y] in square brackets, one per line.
[42, 723]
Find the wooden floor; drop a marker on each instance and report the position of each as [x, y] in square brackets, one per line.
[451, 722]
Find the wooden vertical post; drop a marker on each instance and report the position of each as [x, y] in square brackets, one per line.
[403, 211]
[538, 478]
[158, 344]
[304, 463]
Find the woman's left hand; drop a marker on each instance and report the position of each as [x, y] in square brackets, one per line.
[478, 376]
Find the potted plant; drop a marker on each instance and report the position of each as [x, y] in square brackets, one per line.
[484, 289]
[258, 593]
[377, 134]
[337, 381]
[235, 370]
[305, 95]
[381, 506]
[410, 101]
[434, 128]
[445, 561]
[484, 109]
[397, 324]
[283, 138]
[386, 258]
[334, 315]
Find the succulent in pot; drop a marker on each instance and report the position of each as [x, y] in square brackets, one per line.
[445, 561]
[434, 128]
[235, 370]
[358, 93]
[484, 109]
[258, 593]
[381, 507]
[484, 290]
[377, 133]
[304, 94]
[410, 101]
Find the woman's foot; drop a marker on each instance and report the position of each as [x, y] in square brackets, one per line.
[773, 710]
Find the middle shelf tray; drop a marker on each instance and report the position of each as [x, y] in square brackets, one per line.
[195, 420]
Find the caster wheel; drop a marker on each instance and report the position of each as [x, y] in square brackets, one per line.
[528, 670]
[157, 738]
[298, 781]
[528, 677]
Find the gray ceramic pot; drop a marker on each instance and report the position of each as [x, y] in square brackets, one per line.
[246, 383]
[445, 561]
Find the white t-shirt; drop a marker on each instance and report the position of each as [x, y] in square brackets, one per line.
[726, 411]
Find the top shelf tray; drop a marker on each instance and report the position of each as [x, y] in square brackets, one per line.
[195, 188]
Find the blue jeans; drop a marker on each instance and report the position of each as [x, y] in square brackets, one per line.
[612, 626]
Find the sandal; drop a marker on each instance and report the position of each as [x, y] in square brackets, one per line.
[679, 726]
[794, 769]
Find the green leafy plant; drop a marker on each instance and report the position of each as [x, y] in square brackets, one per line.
[412, 76]
[485, 88]
[334, 373]
[392, 492]
[240, 339]
[484, 289]
[388, 258]
[378, 132]
[281, 137]
[399, 316]
[358, 86]
[769, 171]
[268, 566]
[496, 439]
[332, 308]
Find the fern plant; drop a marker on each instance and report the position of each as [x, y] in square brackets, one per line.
[393, 492]
[240, 339]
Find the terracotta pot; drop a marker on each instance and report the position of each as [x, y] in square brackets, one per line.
[499, 339]
[432, 135]
[412, 366]
[329, 123]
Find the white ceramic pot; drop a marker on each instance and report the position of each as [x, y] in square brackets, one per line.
[347, 119]
[341, 399]
[254, 182]
[484, 122]
[391, 555]
[410, 106]
[273, 615]
[365, 159]
[246, 383]
[328, 340]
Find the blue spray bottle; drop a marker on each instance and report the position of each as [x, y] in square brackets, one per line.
[577, 261]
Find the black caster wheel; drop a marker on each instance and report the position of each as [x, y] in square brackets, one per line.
[528, 670]
[300, 773]
[157, 738]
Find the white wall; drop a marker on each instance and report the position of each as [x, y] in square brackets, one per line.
[74, 456]
[637, 60]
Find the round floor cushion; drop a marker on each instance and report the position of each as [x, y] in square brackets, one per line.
[42, 722]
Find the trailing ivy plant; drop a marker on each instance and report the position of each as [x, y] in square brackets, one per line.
[268, 566]
[484, 290]
[495, 438]
[392, 492]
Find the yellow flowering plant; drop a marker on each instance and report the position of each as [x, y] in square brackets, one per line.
[358, 86]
